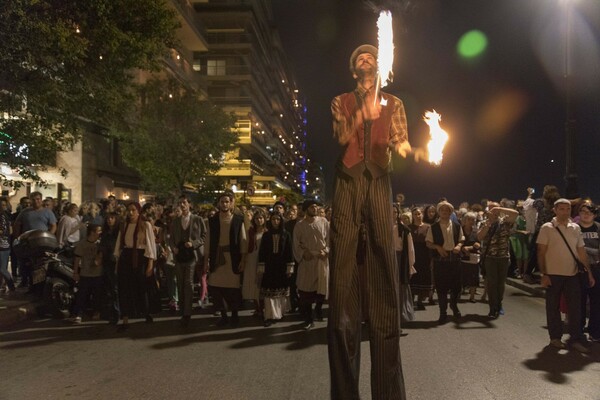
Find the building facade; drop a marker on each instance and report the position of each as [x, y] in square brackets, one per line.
[231, 54]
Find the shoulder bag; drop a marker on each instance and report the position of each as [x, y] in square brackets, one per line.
[580, 265]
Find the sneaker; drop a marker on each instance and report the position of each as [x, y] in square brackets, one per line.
[77, 320]
[558, 344]
[529, 279]
[580, 347]
[501, 312]
[308, 326]
[594, 339]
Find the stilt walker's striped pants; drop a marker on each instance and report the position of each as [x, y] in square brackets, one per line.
[369, 199]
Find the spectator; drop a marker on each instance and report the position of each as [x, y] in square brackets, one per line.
[225, 258]
[88, 274]
[34, 217]
[187, 235]
[446, 238]
[494, 235]
[69, 226]
[5, 233]
[275, 264]
[252, 280]
[590, 230]
[311, 250]
[545, 213]
[135, 252]
[421, 283]
[470, 255]
[405, 256]
[108, 241]
[559, 244]
[430, 214]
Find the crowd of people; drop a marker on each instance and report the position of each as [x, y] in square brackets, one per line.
[130, 260]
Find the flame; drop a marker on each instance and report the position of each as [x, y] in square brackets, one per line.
[439, 137]
[385, 54]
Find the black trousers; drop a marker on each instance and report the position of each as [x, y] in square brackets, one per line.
[226, 298]
[447, 276]
[133, 296]
[570, 286]
[364, 199]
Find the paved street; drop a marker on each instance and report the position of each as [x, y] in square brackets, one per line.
[472, 359]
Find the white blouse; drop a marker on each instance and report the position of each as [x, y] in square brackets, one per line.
[145, 241]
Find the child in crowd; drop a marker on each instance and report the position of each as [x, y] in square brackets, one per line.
[87, 272]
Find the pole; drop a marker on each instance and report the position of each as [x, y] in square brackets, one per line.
[571, 190]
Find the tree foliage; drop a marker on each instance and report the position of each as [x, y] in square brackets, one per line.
[288, 196]
[68, 61]
[177, 139]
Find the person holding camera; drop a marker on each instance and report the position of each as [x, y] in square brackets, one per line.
[187, 235]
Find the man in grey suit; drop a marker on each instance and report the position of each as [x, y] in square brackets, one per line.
[186, 240]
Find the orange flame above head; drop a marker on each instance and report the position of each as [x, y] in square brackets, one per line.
[385, 52]
[439, 137]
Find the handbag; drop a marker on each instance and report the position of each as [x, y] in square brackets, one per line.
[580, 265]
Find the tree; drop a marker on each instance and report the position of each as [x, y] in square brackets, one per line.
[288, 196]
[173, 120]
[69, 61]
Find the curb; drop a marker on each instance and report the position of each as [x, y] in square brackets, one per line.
[12, 315]
[534, 290]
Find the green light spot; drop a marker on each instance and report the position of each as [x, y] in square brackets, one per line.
[472, 44]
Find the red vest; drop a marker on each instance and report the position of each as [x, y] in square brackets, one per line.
[368, 147]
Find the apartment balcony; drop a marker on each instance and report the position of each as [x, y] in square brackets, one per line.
[239, 168]
[228, 73]
[179, 64]
[192, 31]
[230, 40]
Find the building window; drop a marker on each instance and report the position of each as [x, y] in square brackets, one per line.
[197, 62]
[215, 67]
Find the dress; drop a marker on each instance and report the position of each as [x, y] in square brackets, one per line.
[420, 282]
[276, 255]
[251, 283]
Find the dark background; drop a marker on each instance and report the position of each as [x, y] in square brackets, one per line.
[504, 111]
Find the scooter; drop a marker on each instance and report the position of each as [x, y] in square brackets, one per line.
[52, 271]
[60, 288]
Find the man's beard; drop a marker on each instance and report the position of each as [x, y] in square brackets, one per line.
[364, 73]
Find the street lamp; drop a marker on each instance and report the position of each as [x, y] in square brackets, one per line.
[571, 190]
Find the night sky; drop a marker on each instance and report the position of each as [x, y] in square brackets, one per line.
[504, 111]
